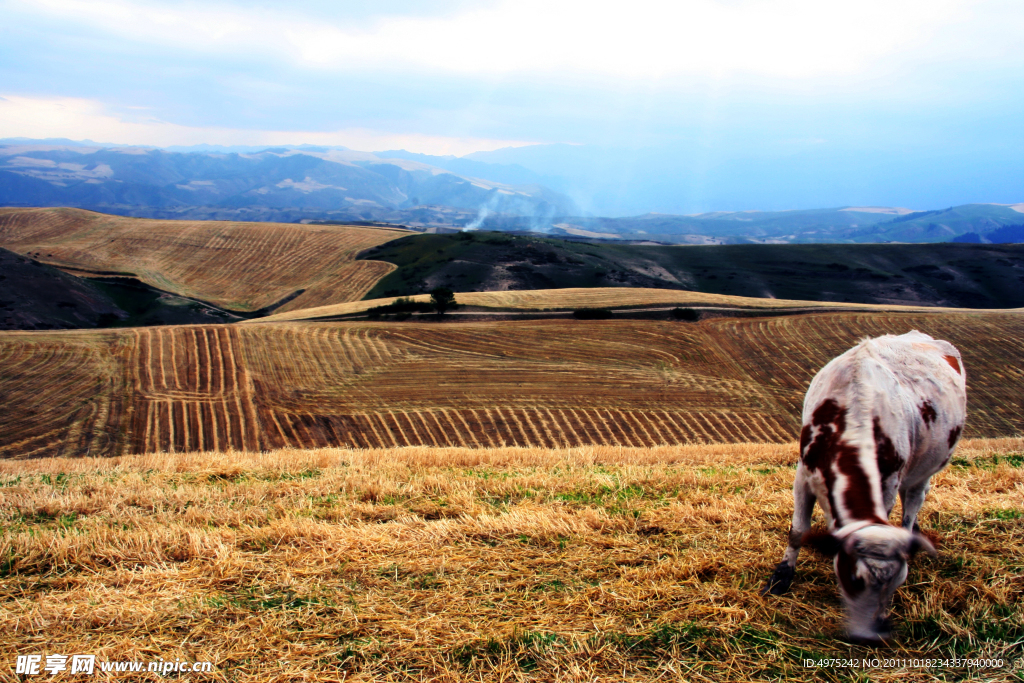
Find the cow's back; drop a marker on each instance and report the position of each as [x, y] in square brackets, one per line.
[903, 400]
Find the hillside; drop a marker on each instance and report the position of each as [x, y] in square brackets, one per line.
[548, 383]
[952, 275]
[236, 266]
[34, 296]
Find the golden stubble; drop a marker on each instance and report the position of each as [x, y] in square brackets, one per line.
[591, 563]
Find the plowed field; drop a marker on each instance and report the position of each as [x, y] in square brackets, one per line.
[240, 266]
[542, 383]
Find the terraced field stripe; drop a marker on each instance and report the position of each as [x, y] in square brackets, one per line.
[288, 430]
[401, 430]
[162, 355]
[448, 434]
[380, 347]
[225, 359]
[370, 351]
[467, 430]
[141, 366]
[423, 429]
[638, 418]
[591, 434]
[310, 439]
[654, 427]
[530, 417]
[373, 419]
[167, 417]
[176, 426]
[771, 427]
[635, 429]
[359, 427]
[601, 427]
[695, 427]
[500, 429]
[418, 427]
[275, 437]
[485, 432]
[714, 421]
[565, 427]
[613, 425]
[543, 423]
[508, 423]
[679, 433]
[760, 425]
[148, 440]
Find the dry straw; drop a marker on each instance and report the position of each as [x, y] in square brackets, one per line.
[584, 564]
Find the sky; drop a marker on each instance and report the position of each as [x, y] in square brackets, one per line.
[680, 106]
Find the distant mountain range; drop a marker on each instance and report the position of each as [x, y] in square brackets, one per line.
[281, 184]
[481, 191]
[982, 223]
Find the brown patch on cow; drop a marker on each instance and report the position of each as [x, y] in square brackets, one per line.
[953, 363]
[954, 435]
[858, 496]
[805, 439]
[830, 419]
[852, 584]
[827, 452]
[889, 461]
[928, 413]
[829, 412]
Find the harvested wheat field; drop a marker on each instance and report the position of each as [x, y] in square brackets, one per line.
[594, 297]
[240, 266]
[538, 384]
[501, 564]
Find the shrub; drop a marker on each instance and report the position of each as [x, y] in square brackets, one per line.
[402, 305]
[685, 314]
[592, 314]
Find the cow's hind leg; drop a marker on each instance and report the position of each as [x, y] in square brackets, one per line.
[803, 505]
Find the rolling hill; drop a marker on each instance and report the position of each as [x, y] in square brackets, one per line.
[237, 266]
[545, 383]
[34, 296]
[953, 275]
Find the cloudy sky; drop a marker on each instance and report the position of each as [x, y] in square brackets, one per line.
[707, 102]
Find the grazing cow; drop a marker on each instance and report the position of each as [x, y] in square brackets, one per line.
[881, 418]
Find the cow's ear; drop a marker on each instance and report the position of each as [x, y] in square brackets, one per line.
[822, 541]
[919, 542]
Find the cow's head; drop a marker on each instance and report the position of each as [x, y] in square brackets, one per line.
[871, 563]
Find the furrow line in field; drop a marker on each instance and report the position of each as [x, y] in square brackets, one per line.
[401, 430]
[468, 431]
[542, 426]
[680, 435]
[505, 426]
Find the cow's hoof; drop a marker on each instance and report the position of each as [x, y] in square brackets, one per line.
[869, 639]
[780, 580]
[884, 628]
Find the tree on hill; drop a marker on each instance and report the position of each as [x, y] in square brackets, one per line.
[443, 299]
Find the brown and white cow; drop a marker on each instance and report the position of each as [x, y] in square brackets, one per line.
[882, 418]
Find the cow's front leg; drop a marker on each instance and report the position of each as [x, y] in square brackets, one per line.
[803, 505]
[912, 498]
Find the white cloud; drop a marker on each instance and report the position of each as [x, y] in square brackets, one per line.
[78, 119]
[639, 39]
